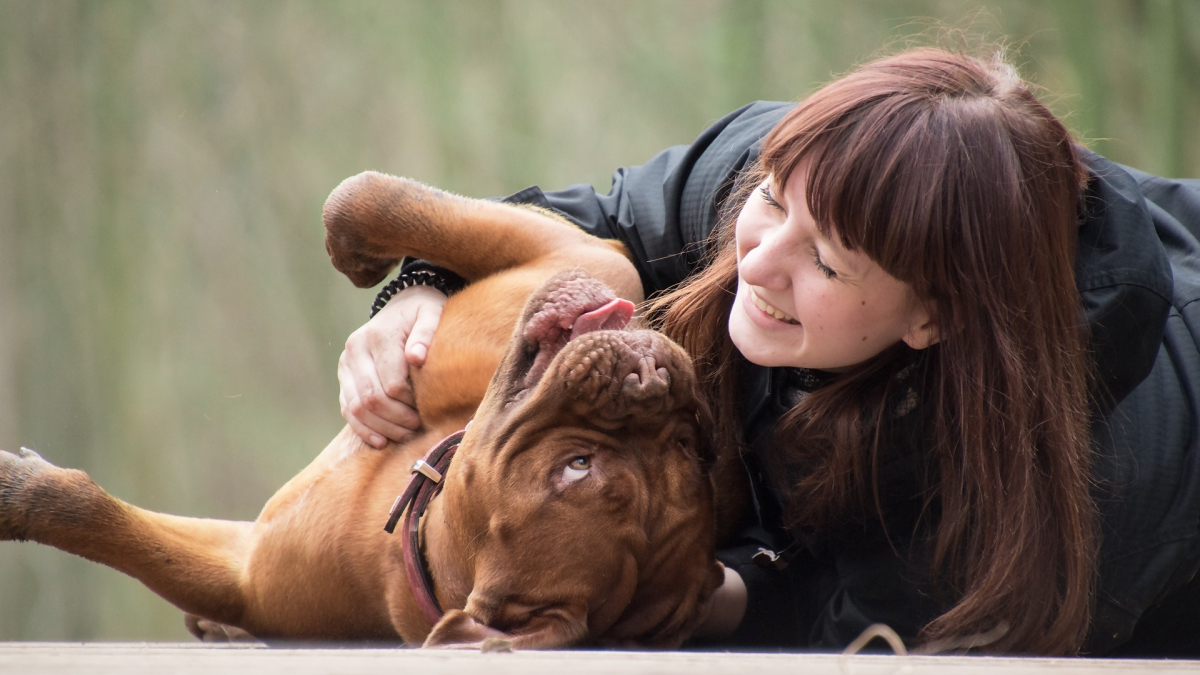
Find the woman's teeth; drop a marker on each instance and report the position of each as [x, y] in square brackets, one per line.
[759, 303]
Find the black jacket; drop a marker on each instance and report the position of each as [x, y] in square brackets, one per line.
[1138, 272]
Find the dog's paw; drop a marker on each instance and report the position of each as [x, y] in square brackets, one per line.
[42, 502]
[18, 472]
[362, 270]
[358, 218]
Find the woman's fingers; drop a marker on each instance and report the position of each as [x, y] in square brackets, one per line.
[367, 434]
[428, 314]
[374, 413]
[376, 393]
[389, 369]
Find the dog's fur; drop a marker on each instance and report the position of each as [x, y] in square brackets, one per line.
[517, 551]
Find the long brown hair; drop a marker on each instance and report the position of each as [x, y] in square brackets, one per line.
[945, 170]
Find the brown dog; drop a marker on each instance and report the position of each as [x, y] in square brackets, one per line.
[577, 509]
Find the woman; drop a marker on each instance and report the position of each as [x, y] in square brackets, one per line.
[885, 288]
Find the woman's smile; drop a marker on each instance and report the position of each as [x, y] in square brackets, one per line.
[773, 311]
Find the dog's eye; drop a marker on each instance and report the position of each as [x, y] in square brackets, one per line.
[576, 469]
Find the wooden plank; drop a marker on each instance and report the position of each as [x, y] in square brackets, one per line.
[159, 658]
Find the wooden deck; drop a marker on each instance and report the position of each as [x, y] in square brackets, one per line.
[162, 658]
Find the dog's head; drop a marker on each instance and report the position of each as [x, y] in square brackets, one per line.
[581, 487]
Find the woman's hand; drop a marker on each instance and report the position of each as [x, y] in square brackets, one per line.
[725, 609]
[376, 394]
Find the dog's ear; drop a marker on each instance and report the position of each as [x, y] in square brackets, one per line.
[554, 629]
[459, 630]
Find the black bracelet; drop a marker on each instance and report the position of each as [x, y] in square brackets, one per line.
[418, 273]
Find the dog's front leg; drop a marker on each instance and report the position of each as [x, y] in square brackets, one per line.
[373, 219]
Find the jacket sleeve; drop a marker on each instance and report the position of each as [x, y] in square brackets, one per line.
[1146, 470]
[664, 209]
[771, 618]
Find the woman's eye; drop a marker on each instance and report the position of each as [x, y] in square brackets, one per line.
[821, 266]
[576, 469]
[765, 191]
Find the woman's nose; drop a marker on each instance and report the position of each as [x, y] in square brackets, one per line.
[766, 264]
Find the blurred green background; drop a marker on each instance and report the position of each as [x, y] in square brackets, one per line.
[169, 321]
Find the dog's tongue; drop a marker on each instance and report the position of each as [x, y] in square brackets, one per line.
[612, 316]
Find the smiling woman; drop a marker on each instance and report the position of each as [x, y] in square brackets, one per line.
[802, 297]
[886, 319]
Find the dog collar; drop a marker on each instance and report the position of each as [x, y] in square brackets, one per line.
[425, 484]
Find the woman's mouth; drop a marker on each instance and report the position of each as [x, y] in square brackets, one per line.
[771, 310]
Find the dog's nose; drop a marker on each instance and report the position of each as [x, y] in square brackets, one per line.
[649, 380]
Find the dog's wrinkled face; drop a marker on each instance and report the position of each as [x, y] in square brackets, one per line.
[583, 489]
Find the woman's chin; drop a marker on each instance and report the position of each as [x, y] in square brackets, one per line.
[752, 344]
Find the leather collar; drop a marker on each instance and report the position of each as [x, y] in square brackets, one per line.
[425, 484]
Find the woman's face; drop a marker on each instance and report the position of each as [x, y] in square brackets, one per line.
[805, 300]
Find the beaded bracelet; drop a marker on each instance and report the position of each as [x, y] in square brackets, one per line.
[418, 273]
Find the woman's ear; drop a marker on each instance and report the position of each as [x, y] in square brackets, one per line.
[923, 329]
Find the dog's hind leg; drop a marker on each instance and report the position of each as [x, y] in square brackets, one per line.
[195, 564]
